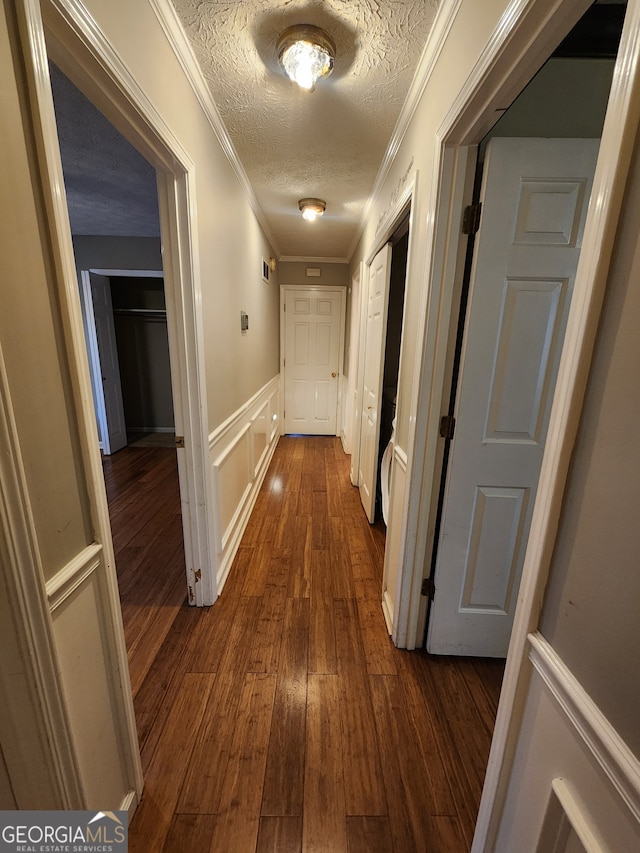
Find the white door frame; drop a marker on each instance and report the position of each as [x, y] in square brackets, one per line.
[523, 39]
[354, 294]
[82, 53]
[356, 399]
[330, 288]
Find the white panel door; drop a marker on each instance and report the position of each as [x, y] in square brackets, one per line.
[534, 202]
[313, 332]
[377, 304]
[114, 432]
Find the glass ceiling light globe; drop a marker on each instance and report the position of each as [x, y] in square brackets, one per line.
[311, 208]
[306, 53]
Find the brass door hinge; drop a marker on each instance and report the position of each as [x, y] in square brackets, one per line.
[428, 588]
[447, 426]
[471, 218]
[179, 441]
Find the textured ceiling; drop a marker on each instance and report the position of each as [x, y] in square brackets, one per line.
[111, 189]
[328, 143]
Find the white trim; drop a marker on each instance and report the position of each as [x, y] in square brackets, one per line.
[442, 24]
[33, 717]
[129, 804]
[35, 55]
[222, 536]
[573, 813]
[438, 319]
[400, 457]
[618, 138]
[308, 259]
[82, 51]
[363, 276]
[401, 201]
[263, 411]
[240, 415]
[387, 610]
[71, 576]
[177, 38]
[613, 755]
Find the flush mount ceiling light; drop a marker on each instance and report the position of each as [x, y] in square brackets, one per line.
[312, 208]
[306, 53]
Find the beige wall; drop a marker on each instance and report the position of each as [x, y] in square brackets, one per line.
[566, 98]
[230, 242]
[295, 272]
[31, 340]
[117, 253]
[472, 27]
[591, 609]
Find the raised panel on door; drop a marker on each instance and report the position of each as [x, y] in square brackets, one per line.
[529, 334]
[534, 201]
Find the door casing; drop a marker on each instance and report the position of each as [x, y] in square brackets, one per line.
[509, 61]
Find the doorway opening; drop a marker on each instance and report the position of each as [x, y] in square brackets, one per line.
[113, 211]
[391, 366]
[482, 529]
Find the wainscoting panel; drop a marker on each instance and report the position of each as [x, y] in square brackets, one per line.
[582, 782]
[79, 611]
[239, 452]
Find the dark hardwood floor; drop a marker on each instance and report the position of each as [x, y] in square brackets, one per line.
[283, 719]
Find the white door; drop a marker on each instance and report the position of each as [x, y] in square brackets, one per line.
[105, 368]
[534, 202]
[313, 335]
[377, 303]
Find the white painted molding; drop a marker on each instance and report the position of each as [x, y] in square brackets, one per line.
[65, 17]
[222, 535]
[387, 611]
[304, 259]
[242, 414]
[403, 197]
[68, 579]
[129, 804]
[400, 457]
[618, 139]
[447, 11]
[605, 744]
[33, 712]
[574, 814]
[72, 35]
[174, 31]
[264, 412]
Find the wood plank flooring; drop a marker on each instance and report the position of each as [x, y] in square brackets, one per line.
[282, 719]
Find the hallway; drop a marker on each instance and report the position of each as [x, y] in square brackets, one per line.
[283, 719]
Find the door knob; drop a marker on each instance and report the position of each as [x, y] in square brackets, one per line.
[333, 375]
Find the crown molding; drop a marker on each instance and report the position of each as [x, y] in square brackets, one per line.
[174, 31]
[444, 19]
[303, 259]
